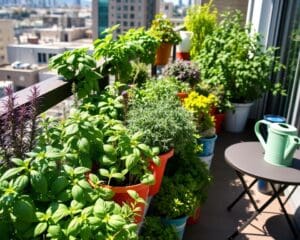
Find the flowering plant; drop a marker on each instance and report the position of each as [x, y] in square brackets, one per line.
[200, 106]
[183, 71]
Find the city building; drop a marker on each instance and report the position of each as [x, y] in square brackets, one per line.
[40, 54]
[6, 37]
[127, 13]
[167, 9]
[21, 74]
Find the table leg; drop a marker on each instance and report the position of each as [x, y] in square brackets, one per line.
[258, 211]
[241, 195]
[284, 211]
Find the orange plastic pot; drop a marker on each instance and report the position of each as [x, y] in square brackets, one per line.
[183, 56]
[195, 217]
[121, 196]
[158, 171]
[163, 54]
[182, 96]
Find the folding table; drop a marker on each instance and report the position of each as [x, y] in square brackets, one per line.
[246, 158]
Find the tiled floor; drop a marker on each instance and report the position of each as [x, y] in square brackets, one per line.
[216, 223]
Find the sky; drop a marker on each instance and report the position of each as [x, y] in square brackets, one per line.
[176, 1]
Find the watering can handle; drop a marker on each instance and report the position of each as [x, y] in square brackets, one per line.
[258, 133]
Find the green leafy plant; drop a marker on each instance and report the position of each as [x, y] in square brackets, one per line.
[201, 20]
[153, 228]
[79, 67]
[163, 30]
[232, 57]
[165, 124]
[174, 200]
[41, 199]
[117, 54]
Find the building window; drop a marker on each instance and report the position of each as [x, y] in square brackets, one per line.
[125, 8]
[125, 23]
[132, 24]
[140, 8]
[42, 58]
[133, 1]
[119, 8]
[125, 16]
[132, 16]
[132, 8]
[118, 15]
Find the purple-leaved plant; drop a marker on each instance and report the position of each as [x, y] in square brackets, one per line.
[18, 126]
[183, 71]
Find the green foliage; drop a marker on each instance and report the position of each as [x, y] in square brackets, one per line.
[194, 174]
[163, 30]
[153, 228]
[79, 67]
[201, 20]
[117, 54]
[174, 200]
[139, 74]
[156, 111]
[237, 60]
[41, 199]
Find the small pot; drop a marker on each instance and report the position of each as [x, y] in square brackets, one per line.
[163, 54]
[182, 96]
[158, 171]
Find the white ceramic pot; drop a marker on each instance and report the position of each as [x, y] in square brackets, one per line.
[185, 44]
[236, 119]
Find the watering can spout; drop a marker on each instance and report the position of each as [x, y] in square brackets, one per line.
[294, 142]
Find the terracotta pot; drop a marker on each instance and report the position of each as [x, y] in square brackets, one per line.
[182, 96]
[183, 55]
[158, 171]
[195, 217]
[121, 196]
[163, 54]
[219, 119]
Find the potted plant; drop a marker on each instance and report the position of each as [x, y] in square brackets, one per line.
[42, 199]
[120, 160]
[183, 71]
[135, 45]
[237, 60]
[201, 21]
[174, 203]
[163, 30]
[158, 114]
[194, 174]
[154, 228]
[200, 106]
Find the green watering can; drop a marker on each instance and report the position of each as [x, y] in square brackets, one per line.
[281, 143]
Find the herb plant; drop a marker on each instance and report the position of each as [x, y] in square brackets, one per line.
[183, 71]
[41, 199]
[79, 67]
[163, 30]
[117, 54]
[18, 128]
[174, 200]
[201, 20]
[232, 57]
[153, 228]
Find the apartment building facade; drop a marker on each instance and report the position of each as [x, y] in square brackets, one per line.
[6, 38]
[127, 13]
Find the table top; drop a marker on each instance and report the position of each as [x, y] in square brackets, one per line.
[247, 157]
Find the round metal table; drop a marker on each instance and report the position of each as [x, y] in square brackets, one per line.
[246, 158]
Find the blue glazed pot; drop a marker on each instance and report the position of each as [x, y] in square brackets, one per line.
[208, 145]
[178, 224]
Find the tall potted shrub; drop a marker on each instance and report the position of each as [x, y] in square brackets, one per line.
[237, 60]
[163, 30]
